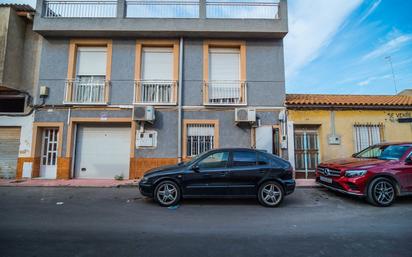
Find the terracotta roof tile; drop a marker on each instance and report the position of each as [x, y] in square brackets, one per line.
[348, 100]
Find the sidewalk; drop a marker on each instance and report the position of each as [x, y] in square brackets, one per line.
[100, 183]
[67, 183]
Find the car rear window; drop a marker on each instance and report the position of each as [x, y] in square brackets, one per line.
[244, 158]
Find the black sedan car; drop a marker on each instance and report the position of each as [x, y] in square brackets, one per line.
[222, 173]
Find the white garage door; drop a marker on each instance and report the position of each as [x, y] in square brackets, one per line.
[102, 151]
[9, 151]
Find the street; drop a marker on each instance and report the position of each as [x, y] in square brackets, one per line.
[41, 221]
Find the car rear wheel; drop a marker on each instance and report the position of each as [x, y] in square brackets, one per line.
[381, 192]
[271, 194]
[167, 193]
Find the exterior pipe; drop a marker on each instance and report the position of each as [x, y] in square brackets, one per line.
[179, 103]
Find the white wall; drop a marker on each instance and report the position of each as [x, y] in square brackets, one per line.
[26, 125]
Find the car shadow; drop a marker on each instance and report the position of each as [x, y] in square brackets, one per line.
[220, 201]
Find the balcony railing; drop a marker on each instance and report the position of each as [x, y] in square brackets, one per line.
[238, 9]
[87, 92]
[162, 9]
[213, 9]
[155, 92]
[80, 9]
[225, 93]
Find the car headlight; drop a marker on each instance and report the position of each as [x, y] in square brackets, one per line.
[355, 173]
[144, 180]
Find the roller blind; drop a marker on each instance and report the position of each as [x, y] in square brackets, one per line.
[157, 63]
[224, 64]
[91, 61]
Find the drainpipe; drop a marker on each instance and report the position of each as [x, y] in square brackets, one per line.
[179, 103]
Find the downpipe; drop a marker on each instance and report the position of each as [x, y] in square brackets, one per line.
[179, 103]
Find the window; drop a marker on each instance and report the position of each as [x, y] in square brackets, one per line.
[394, 152]
[91, 63]
[157, 63]
[12, 104]
[371, 152]
[224, 72]
[89, 71]
[244, 158]
[156, 72]
[263, 159]
[367, 135]
[215, 160]
[200, 136]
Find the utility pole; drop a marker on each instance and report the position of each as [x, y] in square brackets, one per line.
[389, 59]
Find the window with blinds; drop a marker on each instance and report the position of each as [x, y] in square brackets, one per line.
[157, 63]
[224, 64]
[224, 84]
[367, 135]
[91, 62]
[200, 138]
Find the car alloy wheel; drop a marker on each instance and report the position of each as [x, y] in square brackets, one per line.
[167, 193]
[381, 192]
[271, 194]
[384, 192]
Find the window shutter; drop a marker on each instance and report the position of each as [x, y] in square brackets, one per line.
[157, 63]
[91, 61]
[224, 64]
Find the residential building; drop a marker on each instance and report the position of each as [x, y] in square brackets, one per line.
[19, 61]
[325, 127]
[130, 86]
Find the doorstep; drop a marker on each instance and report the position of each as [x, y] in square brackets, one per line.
[67, 183]
[306, 183]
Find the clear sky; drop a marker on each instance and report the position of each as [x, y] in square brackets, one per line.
[339, 46]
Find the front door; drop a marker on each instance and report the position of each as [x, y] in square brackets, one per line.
[306, 152]
[210, 177]
[49, 150]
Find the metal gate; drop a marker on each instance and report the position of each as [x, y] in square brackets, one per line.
[306, 151]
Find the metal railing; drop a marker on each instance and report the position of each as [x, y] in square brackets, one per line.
[162, 9]
[87, 92]
[238, 9]
[80, 9]
[225, 93]
[155, 92]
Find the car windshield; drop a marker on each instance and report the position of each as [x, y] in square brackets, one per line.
[372, 152]
[383, 152]
[394, 152]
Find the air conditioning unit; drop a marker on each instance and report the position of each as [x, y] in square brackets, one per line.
[144, 113]
[245, 115]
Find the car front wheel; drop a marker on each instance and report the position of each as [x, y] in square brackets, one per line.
[381, 192]
[167, 193]
[271, 194]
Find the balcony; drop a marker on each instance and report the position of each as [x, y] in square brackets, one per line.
[152, 92]
[87, 92]
[224, 93]
[211, 18]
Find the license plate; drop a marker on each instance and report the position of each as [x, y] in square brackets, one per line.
[327, 180]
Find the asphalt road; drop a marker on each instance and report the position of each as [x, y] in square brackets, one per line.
[119, 222]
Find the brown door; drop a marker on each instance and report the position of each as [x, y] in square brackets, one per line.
[306, 152]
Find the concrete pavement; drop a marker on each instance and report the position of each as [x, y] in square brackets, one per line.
[119, 222]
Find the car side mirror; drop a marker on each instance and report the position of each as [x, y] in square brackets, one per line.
[409, 160]
[195, 168]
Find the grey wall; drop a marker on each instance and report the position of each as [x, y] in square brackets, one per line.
[265, 71]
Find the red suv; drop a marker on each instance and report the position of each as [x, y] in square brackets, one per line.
[380, 173]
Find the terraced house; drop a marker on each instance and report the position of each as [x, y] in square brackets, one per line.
[131, 85]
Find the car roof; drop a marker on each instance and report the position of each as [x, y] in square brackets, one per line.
[237, 149]
[396, 143]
